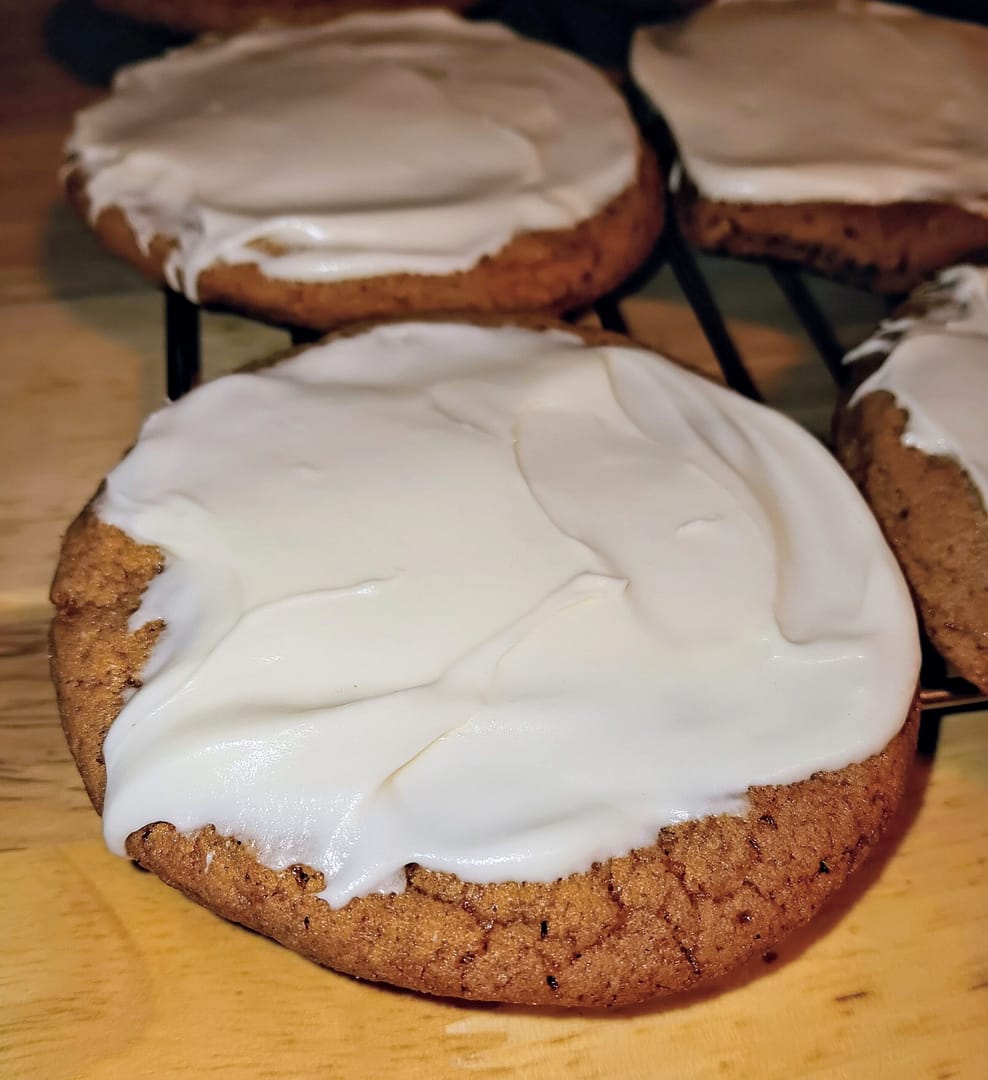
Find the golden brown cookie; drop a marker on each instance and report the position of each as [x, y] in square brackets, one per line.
[887, 248]
[933, 518]
[861, 157]
[705, 897]
[227, 16]
[556, 271]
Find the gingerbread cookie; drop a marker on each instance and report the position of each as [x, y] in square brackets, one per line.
[914, 436]
[846, 138]
[377, 165]
[506, 662]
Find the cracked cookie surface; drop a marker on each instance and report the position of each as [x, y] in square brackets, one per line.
[934, 521]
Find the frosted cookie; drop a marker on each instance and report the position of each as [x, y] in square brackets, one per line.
[845, 137]
[914, 435]
[490, 661]
[375, 165]
[228, 16]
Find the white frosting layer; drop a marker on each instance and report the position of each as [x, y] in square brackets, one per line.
[829, 100]
[373, 144]
[936, 367]
[491, 601]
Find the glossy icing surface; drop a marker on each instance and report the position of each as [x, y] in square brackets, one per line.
[493, 601]
[373, 144]
[783, 101]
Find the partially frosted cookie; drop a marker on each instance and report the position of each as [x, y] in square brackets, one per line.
[375, 165]
[490, 661]
[845, 137]
[914, 435]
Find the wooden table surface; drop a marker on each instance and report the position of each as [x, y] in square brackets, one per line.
[106, 973]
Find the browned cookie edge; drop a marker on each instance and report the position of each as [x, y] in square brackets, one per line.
[934, 520]
[554, 271]
[888, 248]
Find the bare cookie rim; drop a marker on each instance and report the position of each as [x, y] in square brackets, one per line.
[905, 242]
[868, 438]
[555, 271]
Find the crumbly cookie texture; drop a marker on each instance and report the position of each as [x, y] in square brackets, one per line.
[933, 519]
[227, 16]
[555, 271]
[707, 896]
[887, 248]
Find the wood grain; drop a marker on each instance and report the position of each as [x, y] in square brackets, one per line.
[107, 974]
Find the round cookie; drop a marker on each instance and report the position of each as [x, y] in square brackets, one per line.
[862, 157]
[472, 194]
[913, 437]
[683, 908]
[229, 16]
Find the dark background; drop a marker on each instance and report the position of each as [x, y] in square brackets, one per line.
[93, 44]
